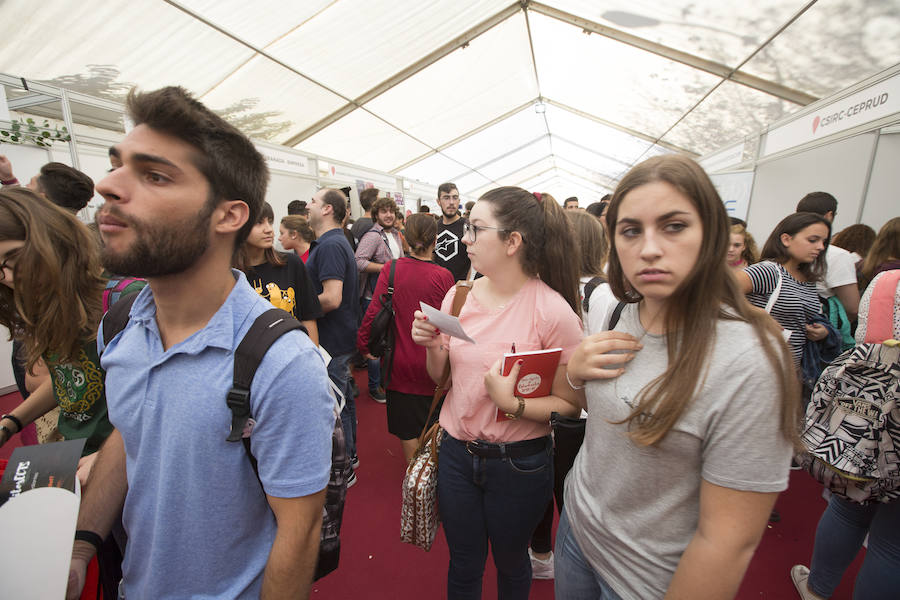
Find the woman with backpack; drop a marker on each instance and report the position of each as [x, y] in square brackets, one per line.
[692, 405]
[495, 471]
[784, 281]
[409, 389]
[279, 277]
[845, 524]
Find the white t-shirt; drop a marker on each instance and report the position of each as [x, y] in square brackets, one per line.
[841, 271]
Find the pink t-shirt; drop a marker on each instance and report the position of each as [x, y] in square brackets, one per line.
[537, 318]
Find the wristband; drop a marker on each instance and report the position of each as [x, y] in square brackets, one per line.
[12, 181]
[572, 385]
[90, 537]
[14, 419]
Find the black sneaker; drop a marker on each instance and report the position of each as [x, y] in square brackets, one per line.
[351, 480]
[378, 395]
[354, 462]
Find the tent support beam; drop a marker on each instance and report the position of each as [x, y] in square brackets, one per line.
[448, 48]
[685, 58]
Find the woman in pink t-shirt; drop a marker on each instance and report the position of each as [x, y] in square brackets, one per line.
[495, 474]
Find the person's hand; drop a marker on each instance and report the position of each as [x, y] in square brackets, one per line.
[423, 332]
[816, 332]
[592, 358]
[85, 464]
[370, 357]
[502, 390]
[77, 576]
[6, 172]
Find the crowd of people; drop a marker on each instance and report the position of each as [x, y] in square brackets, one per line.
[687, 357]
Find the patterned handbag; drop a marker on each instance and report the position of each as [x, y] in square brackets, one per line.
[852, 427]
[419, 513]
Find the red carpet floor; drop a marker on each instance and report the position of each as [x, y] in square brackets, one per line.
[375, 565]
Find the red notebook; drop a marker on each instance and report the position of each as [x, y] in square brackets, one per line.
[537, 372]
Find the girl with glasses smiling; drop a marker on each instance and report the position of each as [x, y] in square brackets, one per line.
[495, 473]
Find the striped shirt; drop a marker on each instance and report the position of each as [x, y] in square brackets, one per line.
[796, 304]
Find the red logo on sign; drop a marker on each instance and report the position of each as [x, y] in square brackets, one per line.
[332, 168]
[815, 124]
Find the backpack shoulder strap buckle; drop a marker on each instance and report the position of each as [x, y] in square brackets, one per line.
[238, 400]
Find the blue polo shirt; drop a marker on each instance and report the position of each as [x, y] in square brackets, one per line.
[198, 522]
[332, 258]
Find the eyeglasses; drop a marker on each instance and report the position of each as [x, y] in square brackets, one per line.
[471, 231]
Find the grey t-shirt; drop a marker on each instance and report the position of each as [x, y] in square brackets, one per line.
[634, 509]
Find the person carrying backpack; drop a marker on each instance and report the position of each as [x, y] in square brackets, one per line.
[184, 191]
[846, 523]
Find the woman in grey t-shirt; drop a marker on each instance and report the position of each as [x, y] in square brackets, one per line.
[692, 405]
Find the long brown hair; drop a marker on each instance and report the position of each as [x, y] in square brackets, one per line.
[749, 253]
[885, 247]
[272, 256]
[592, 242]
[421, 232]
[549, 240]
[58, 297]
[775, 250]
[693, 309]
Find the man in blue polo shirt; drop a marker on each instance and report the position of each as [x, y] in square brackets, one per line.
[332, 268]
[184, 191]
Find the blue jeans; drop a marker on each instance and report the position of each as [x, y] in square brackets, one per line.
[496, 500]
[339, 372]
[840, 535]
[574, 578]
[374, 365]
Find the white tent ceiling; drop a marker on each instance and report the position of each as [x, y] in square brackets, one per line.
[561, 96]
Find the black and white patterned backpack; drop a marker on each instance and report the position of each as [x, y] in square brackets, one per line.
[852, 426]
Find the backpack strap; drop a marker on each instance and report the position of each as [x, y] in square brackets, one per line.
[879, 320]
[116, 318]
[390, 289]
[112, 293]
[268, 327]
[614, 317]
[589, 288]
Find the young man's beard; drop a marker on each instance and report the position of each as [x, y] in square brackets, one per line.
[449, 215]
[161, 250]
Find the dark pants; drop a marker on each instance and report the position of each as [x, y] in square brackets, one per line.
[568, 435]
[496, 500]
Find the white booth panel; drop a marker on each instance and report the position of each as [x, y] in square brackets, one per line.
[26, 160]
[839, 168]
[883, 197]
[283, 188]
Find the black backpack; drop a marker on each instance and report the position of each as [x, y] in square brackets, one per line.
[589, 288]
[268, 327]
[381, 331]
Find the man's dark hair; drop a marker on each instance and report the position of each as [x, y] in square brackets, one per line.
[819, 203]
[595, 208]
[338, 202]
[424, 209]
[66, 187]
[445, 188]
[367, 197]
[229, 161]
[297, 207]
[571, 199]
[381, 204]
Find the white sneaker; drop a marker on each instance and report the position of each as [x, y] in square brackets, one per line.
[541, 568]
[799, 575]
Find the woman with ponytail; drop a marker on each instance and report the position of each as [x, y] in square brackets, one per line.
[495, 474]
[692, 401]
[416, 278]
